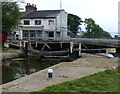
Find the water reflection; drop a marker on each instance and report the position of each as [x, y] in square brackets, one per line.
[14, 69]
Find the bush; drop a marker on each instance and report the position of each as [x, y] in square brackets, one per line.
[66, 59]
[38, 57]
[23, 55]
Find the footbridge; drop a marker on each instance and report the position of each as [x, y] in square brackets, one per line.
[71, 46]
[100, 42]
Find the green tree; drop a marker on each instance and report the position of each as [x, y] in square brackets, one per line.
[116, 37]
[94, 30]
[89, 24]
[10, 16]
[73, 23]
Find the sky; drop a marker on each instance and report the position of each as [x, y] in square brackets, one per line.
[104, 12]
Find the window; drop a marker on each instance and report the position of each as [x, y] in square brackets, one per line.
[37, 22]
[38, 33]
[25, 33]
[51, 34]
[51, 22]
[32, 33]
[26, 22]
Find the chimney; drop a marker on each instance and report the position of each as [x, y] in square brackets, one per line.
[30, 8]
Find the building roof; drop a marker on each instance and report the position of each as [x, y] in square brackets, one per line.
[41, 14]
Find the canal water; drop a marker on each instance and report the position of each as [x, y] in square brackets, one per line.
[14, 69]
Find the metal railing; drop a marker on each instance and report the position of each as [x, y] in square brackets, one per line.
[115, 41]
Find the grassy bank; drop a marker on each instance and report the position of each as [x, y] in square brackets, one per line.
[9, 50]
[106, 81]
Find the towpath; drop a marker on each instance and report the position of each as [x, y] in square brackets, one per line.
[65, 71]
[10, 54]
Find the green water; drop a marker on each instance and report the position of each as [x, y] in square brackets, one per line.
[14, 69]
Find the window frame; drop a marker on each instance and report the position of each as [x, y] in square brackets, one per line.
[51, 34]
[25, 33]
[39, 21]
[50, 22]
[26, 22]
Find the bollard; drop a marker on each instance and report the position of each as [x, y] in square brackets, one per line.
[50, 73]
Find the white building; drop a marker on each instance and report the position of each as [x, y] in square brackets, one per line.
[43, 24]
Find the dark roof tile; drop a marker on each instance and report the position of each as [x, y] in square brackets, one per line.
[41, 14]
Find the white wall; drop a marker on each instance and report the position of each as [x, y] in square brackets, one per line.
[19, 32]
[61, 21]
[44, 22]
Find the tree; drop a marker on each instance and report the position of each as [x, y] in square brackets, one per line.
[73, 23]
[89, 24]
[116, 37]
[94, 30]
[10, 16]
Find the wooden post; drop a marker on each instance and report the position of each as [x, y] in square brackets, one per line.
[79, 49]
[60, 44]
[26, 46]
[30, 44]
[20, 45]
[36, 44]
[71, 47]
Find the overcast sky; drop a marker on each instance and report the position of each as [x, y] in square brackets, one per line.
[104, 12]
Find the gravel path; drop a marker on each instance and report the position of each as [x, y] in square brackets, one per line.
[86, 65]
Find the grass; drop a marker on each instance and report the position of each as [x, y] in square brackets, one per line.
[7, 50]
[106, 81]
[38, 57]
[23, 55]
